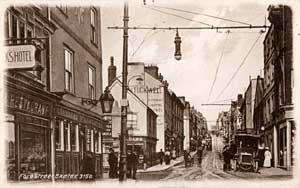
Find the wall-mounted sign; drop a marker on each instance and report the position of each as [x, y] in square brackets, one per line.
[20, 57]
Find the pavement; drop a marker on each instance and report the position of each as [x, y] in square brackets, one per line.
[163, 167]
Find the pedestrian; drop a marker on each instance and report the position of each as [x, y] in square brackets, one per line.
[226, 157]
[268, 157]
[260, 156]
[129, 164]
[113, 164]
[133, 164]
[88, 167]
[232, 152]
[187, 158]
[167, 157]
[145, 160]
[161, 156]
[173, 154]
[199, 154]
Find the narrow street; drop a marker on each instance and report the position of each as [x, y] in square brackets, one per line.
[211, 169]
[211, 166]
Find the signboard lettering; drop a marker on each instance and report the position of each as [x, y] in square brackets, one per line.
[20, 57]
[27, 104]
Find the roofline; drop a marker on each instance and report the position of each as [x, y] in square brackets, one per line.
[129, 90]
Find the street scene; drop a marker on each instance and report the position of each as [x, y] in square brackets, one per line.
[139, 91]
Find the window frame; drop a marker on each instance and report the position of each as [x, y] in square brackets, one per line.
[76, 127]
[61, 135]
[131, 121]
[92, 92]
[68, 136]
[93, 26]
[69, 72]
[99, 141]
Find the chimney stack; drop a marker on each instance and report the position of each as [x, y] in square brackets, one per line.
[112, 71]
[152, 70]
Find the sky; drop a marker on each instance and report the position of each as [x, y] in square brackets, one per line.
[193, 75]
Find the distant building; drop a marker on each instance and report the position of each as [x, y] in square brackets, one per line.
[258, 115]
[141, 125]
[146, 83]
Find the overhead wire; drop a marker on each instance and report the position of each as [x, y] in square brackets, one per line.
[146, 37]
[175, 15]
[217, 69]
[240, 66]
[197, 13]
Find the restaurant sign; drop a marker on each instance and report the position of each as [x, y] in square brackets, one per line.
[20, 56]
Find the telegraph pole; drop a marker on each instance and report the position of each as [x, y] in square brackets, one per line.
[124, 102]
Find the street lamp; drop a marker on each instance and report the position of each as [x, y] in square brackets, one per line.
[177, 42]
[107, 101]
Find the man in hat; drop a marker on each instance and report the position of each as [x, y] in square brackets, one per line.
[113, 164]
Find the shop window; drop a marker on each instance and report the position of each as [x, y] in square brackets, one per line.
[91, 87]
[92, 140]
[67, 136]
[10, 150]
[59, 136]
[74, 138]
[33, 150]
[94, 25]
[88, 139]
[98, 142]
[68, 69]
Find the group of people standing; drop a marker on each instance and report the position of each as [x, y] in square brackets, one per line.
[166, 156]
[132, 164]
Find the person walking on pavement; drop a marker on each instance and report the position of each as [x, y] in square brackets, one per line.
[133, 164]
[268, 157]
[173, 154]
[226, 158]
[89, 166]
[187, 158]
[145, 161]
[199, 154]
[113, 164]
[161, 156]
[167, 157]
[129, 164]
[232, 152]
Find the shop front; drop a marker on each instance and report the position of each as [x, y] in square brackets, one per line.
[78, 142]
[28, 131]
[286, 138]
[144, 147]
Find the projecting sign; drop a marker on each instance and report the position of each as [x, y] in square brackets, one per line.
[20, 57]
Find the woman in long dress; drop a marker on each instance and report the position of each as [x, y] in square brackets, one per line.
[268, 157]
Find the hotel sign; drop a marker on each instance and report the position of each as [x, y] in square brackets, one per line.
[20, 57]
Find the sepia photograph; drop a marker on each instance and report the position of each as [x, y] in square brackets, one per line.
[150, 93]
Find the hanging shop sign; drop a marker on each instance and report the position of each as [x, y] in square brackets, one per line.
[20, 56]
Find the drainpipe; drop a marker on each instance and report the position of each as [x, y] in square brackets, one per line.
[49, 86]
